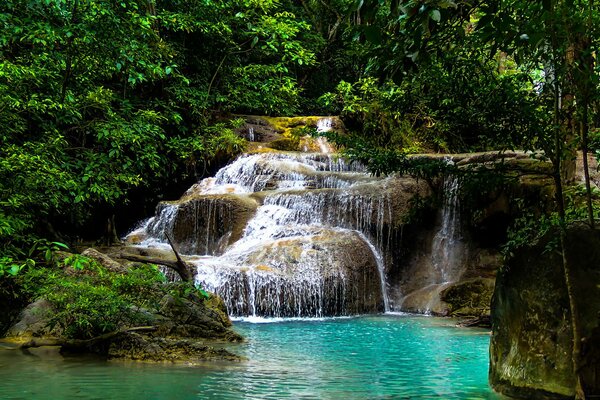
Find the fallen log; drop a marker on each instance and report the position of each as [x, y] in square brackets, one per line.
[184, 270]
[179, 265]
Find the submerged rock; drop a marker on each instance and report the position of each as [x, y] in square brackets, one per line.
[136, 347]
[531, 345]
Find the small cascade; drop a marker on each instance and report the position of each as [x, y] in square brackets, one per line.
[250, 136]
[285, 234]
[448, 250]
[382, 274]
[324, 125]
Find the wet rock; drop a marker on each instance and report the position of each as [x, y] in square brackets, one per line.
[285, 144]
[184, 318]
[204, 224]
[427, 300]
[323, 273]
[530, 350]
[136, 347]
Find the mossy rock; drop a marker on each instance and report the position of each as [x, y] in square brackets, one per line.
[111, 298]
[531, 344]
[285, 144]
[469, 298]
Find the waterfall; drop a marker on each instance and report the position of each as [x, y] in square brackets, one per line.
[285, 234]
[448, 249]
[324, 125]
[382, 273]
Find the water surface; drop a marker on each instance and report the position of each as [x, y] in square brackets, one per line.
[374, 357]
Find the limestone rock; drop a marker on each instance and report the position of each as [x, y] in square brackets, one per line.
[321, 273]
[205, 224]
[470, 298]
[136, 347]
[427, 300]
[104, 260]
[183, 326]
[34, 321]
[530, 350]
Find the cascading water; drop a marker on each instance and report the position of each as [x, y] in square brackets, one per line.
[311, 247]
[448, 250]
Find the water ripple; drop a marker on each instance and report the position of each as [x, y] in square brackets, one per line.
[375, 357]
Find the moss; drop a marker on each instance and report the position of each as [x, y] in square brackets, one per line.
[285, 125]
[469, 298]
[285, 144]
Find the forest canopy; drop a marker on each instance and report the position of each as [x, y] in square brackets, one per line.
[105, 103]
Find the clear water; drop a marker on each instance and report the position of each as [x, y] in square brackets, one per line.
[375, 357]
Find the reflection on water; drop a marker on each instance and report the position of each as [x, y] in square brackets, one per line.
[378, 357]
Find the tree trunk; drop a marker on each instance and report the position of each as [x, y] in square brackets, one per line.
[586, 169]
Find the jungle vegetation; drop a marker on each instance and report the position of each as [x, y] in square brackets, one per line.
[105, 105]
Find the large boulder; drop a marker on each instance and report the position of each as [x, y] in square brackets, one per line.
[201, 224]
[35, 321]
[531, 344]
[324, 273]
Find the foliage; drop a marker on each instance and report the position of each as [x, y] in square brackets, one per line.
[90, 300]
[100, 98]
[530, 225]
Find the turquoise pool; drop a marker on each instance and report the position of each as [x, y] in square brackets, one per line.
[371, 357]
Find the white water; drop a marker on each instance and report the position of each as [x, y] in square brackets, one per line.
[289, 261]
[448, 249]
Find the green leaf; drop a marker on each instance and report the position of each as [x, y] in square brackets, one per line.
[435, 15]
[372, 34]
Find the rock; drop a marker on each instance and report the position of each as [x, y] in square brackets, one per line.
[220, 217]
[426, 300]
[177, 328]
[34, 321]
[136, 347]
[285, 144]
[104, 260]
[194, 319]
[530, 350]
[470, 298]
[323, 272]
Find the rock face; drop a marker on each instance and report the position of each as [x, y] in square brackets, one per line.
[530, 350]
[448, 262]
[200, 224]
